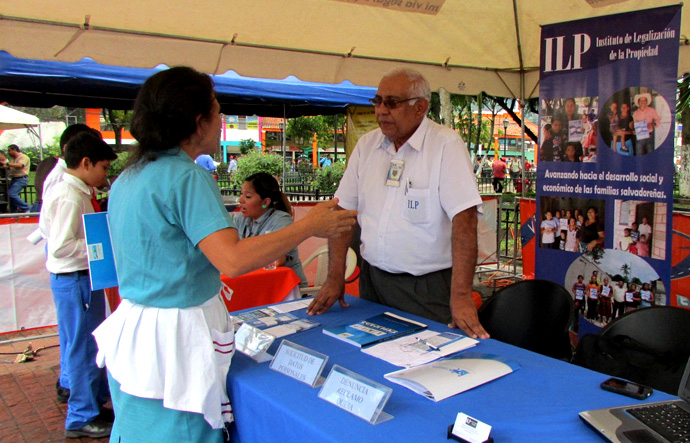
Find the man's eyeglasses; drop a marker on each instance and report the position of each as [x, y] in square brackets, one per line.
[389, 103]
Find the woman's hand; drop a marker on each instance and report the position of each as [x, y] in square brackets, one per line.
[329, 220]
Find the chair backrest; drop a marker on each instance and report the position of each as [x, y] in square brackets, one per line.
[649, 346]
[531, 314]
[321, 255]
[665, 329]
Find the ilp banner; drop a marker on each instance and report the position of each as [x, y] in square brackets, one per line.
[605, 174]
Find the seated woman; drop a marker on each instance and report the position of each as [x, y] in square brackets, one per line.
[264, 209]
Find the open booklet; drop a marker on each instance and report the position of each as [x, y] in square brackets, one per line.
[452, 375]
[420, 348]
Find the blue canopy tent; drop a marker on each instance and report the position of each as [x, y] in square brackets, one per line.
[87, 84]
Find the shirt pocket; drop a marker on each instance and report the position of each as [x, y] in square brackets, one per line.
[416, 206]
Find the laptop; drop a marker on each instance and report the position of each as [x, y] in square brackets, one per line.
[621, 424]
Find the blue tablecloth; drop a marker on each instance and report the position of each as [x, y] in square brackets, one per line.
[537, 403]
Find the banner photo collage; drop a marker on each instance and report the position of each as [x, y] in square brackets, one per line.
[605, 161]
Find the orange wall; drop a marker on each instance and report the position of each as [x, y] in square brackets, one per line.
[93, 120]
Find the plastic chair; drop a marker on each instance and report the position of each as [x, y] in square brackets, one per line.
[665, 329]
[321, 255]
[648, 346]
[533, 315]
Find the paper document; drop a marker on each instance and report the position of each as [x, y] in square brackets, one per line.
[420, 348]
[276, 323]
[293, 305]
[452, 375]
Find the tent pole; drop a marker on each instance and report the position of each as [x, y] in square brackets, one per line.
[522, 96]
[282, 149]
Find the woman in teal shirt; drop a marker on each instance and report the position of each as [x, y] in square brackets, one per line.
[264, 209]
[169, 344]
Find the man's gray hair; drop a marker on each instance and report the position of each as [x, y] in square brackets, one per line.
[419, 86]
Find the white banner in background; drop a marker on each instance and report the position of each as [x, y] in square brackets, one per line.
[25, 297]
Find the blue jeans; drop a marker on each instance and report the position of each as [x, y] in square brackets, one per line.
[645, 146]
[79, 312]
[16, 186]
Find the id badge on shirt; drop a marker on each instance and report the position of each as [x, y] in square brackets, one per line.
[395, 170]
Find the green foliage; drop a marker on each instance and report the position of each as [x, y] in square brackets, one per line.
[118, 165]
[49, 149]
[328, 178]
[255, 161]
[247, 145]
[302, 129]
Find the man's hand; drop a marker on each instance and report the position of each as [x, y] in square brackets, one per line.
[329, 293]
[464, 314]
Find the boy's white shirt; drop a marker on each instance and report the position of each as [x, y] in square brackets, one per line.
[61, 221]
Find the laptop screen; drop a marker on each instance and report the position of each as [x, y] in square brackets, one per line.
[684, 388]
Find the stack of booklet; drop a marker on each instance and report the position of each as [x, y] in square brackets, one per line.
[377, 329]
[272, 321]
[399, 340]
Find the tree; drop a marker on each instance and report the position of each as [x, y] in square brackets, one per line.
[626, 272]
[302, 129]
[117, 121]
[256, 161]
[247, 145]
[337, 122]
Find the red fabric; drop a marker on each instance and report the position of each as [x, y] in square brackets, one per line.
[94, 201]
[20, 220]
[260, 287]
[499, 168]
[112, 296]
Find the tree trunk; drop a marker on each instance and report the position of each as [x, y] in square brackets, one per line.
[480, 107]
[446, 108]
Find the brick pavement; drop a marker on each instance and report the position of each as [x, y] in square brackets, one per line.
[29, 410]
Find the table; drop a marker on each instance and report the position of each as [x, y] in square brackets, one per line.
[261, 287]
[537, 403]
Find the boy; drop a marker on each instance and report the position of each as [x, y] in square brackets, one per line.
[548, 230]
[79, 310]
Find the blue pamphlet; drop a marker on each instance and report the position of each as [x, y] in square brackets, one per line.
[376, 329]
[99, 251]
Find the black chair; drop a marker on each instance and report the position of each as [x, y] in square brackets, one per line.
[533, 315]
[650, 346]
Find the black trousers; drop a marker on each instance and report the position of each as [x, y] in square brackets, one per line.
[426, 295]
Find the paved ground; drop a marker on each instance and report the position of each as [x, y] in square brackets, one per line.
[29, 411]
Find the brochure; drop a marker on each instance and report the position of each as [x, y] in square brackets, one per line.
[452, 375]
[420, 348]
[278, 324]
[376, 329]
[99, 248]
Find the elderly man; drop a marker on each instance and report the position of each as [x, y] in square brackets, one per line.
[411, 181]
[645, 115]
[19, 177]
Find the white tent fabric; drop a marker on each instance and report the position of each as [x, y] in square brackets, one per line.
[465, 46]
[13, 119]
[26, 300]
